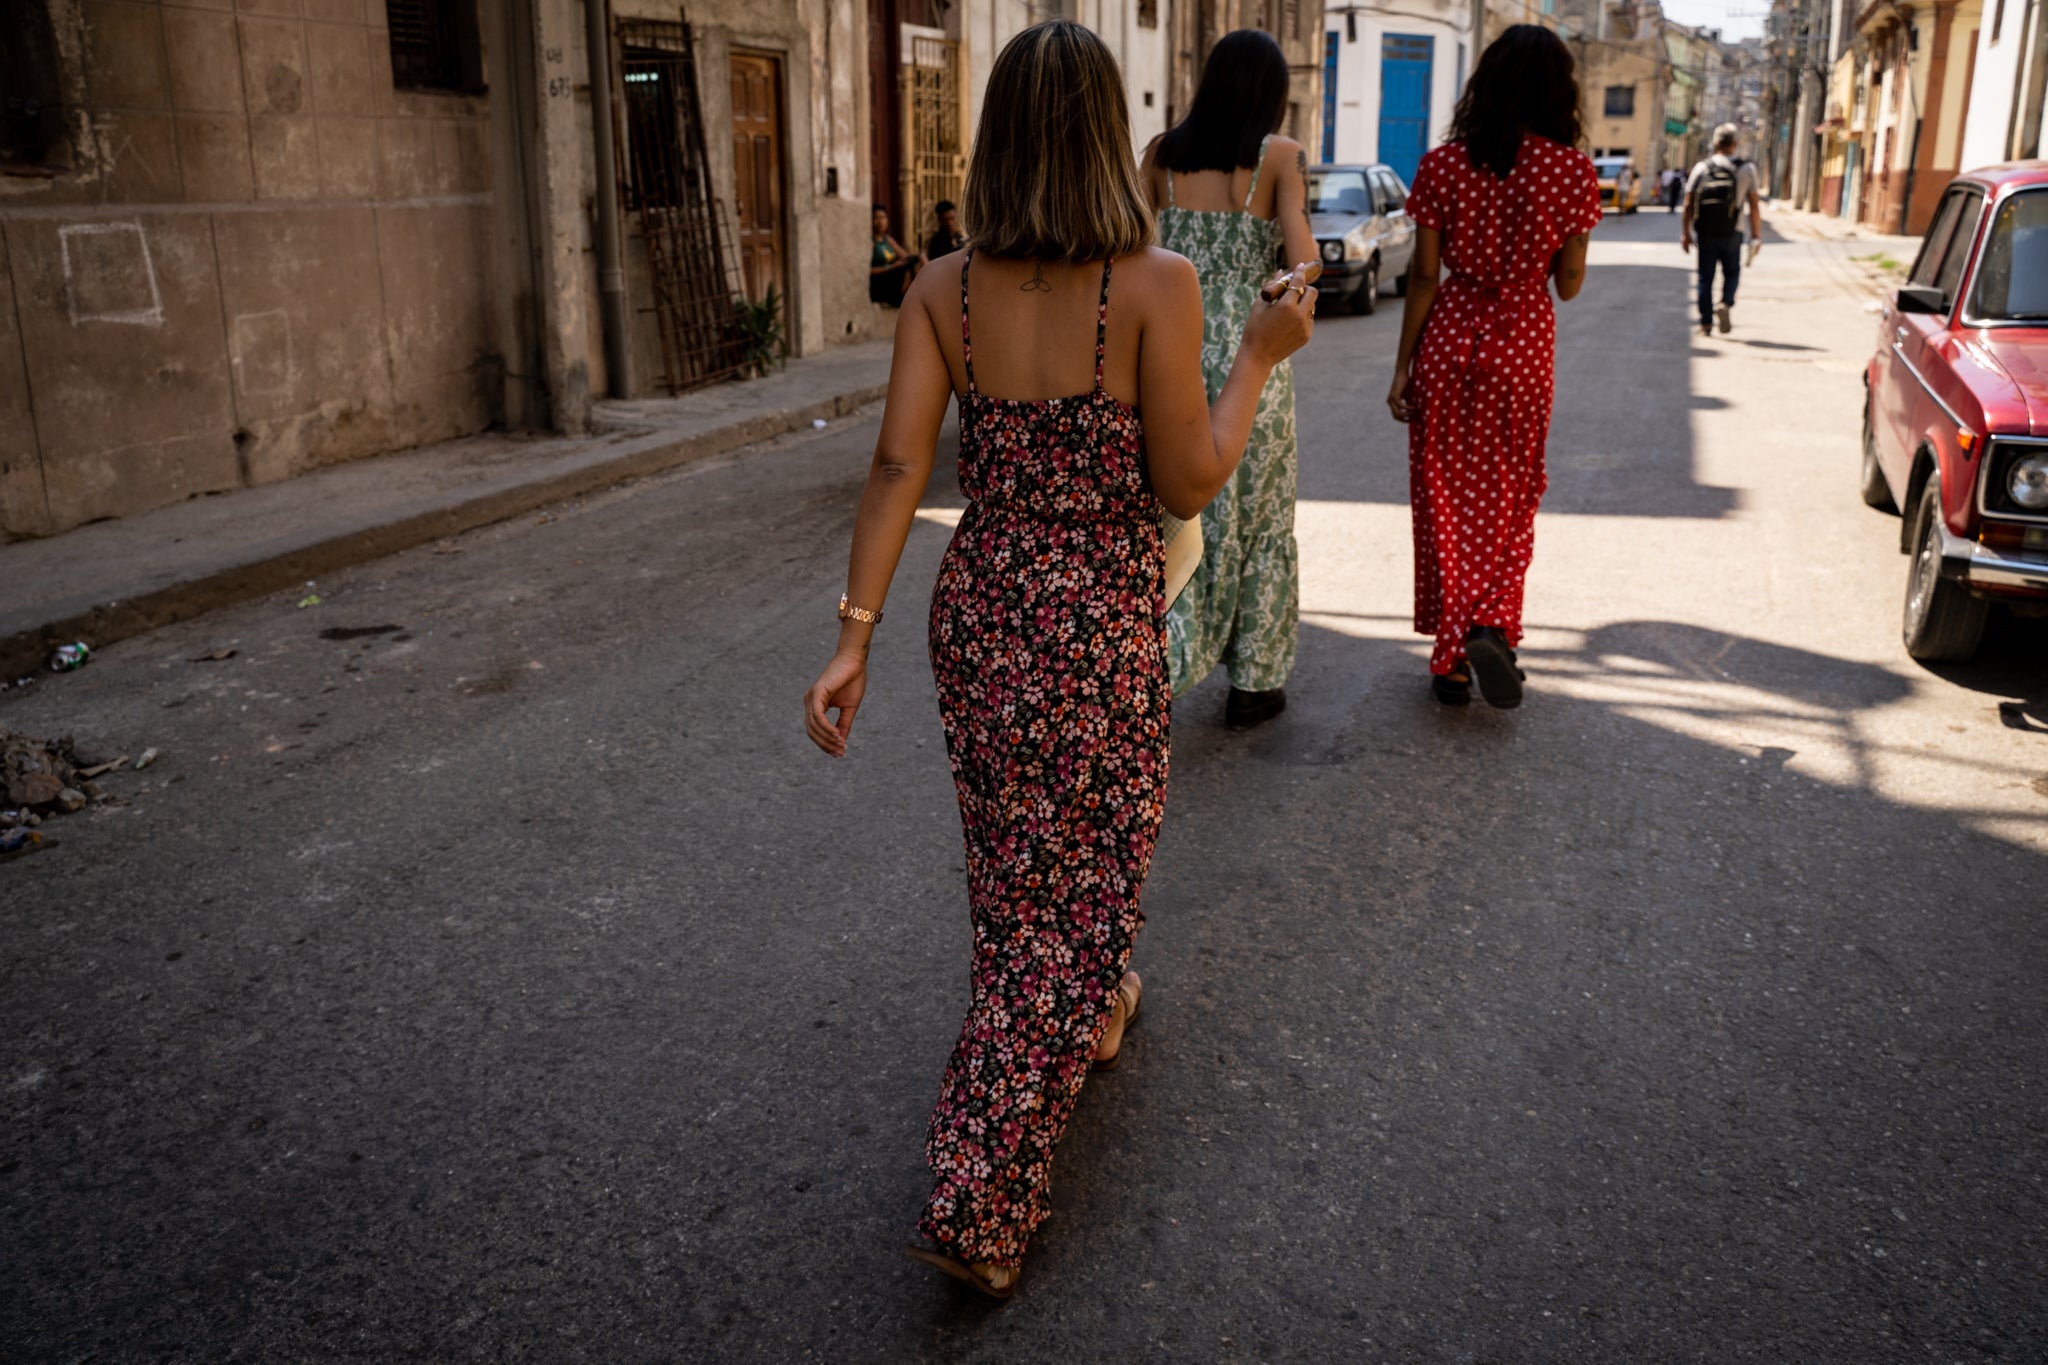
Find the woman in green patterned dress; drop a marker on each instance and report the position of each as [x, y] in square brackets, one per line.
[1230, 193]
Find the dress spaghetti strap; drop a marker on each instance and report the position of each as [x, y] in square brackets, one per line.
[1257, 166]
[966, 334]
[1101, 325]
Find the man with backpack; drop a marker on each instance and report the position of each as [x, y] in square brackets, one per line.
[1715, 194]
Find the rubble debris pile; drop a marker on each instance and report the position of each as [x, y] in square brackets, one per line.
[41, 777]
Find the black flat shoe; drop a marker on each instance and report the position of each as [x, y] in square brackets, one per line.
[1452, 689]
[1493, 663]
[1244, 710]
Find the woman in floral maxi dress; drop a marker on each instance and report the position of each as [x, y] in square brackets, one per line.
[1506, 206]
[1046, 639]
[1230, 195]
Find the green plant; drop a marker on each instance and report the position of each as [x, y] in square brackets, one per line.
[764, 345]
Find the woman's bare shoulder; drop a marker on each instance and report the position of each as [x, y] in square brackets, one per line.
[1283, 151]
[1156, 284]
[937, 286]
[1155, 265]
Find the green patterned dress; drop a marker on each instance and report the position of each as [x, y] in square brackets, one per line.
[1241, 607]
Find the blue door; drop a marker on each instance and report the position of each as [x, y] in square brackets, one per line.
[1405, 62]
[1330, 96]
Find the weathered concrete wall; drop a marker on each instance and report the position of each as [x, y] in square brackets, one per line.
[263, 259]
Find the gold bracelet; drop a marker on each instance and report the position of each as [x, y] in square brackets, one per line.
[861, 614]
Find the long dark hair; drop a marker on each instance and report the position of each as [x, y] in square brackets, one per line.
[1242, 98]
[1523, 84]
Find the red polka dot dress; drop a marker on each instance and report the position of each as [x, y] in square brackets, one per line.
[1482, 379]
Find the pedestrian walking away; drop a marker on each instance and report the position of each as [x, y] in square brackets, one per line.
[1674, 188]
[1046, 631]
[1716, 193]
[1505, 206]
[1232, 195]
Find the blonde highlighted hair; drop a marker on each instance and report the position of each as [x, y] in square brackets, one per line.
[1052, 176]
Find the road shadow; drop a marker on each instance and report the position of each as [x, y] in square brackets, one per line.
[1606, 455]
[1775, 345]
[1455, 1019]
[2011, 662]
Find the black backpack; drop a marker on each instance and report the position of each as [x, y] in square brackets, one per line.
[1715, 208]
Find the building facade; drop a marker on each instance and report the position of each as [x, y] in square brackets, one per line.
[1194, 27]
[1894, 128]
[1390, 80]
[1694, 59]
[1624, 76]
[242, 242]
[2009, 88]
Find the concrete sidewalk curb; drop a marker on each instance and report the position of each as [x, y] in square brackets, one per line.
[26, 649]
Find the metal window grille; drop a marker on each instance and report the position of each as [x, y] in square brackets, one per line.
[931, 97]
[1621, 101]
[428, 48]
[692, 268]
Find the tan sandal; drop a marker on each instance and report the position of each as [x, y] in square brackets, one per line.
[996, 1281]
[1130, 996]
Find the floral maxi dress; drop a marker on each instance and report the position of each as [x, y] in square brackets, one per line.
[1482, 380]
[1047, 648]
[1242, 606]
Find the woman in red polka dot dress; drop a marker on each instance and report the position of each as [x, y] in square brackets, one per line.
[1506, 204]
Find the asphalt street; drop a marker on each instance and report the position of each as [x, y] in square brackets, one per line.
[491, 970]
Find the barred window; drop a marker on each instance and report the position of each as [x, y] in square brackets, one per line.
[1621, 101]
[1148, 13]
[31, 115]
[434, 45]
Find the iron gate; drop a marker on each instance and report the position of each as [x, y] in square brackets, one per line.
[667, 185]
[934, 160]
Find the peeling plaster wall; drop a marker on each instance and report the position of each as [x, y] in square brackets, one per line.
[263, 259]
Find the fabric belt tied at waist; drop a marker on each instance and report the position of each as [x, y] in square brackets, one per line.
[1484, 348]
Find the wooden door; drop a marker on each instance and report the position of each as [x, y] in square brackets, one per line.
[757, 173]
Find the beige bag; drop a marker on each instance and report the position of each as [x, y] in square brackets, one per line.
[1183, 551]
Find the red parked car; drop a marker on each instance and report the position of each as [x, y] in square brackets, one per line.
[1955, 414]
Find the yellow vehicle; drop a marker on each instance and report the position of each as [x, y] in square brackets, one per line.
[1609, 170]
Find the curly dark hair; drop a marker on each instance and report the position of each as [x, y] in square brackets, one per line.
[1523, 84]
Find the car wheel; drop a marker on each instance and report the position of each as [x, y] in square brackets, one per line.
[1401, 285]
[1876, 492]
[1943, 623]
[1367, 299]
